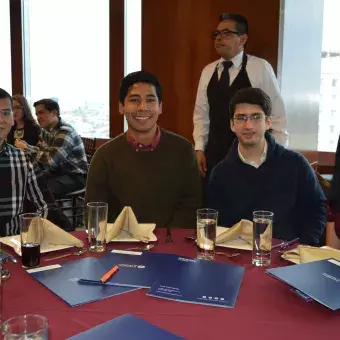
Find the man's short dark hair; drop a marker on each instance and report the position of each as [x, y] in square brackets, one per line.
[4, 94]
[241, 21]
[251, 95]
[139, 77]
[49, 104]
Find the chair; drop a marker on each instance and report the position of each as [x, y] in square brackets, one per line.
[76, 208]
[90, 147]
[333, 217]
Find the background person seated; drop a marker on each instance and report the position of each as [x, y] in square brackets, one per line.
[25, 126]
[20, 181]
[60, 153]
[152, 170]
[259, 174]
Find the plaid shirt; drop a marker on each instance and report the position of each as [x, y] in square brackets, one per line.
[20, 180]
[61, 150]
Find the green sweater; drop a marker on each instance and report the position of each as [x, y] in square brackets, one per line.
[162, 186]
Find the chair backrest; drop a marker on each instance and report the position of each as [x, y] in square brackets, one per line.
[90, 147]
[334, 196]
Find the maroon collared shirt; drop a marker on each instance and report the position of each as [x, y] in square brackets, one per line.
[143, 147]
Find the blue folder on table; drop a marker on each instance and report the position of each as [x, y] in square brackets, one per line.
[320, 280]
[126, 327]
[200, 282]
[136, 269]
[63, 281]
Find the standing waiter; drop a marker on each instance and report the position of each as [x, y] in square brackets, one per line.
[219, 82]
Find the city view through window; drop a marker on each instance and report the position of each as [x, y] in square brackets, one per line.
[66, 58]
[329, 117]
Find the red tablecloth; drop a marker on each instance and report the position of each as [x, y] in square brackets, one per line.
[265, 309]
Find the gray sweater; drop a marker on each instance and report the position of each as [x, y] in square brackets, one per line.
[162, 186]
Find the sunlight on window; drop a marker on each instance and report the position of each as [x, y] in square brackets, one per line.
[329, 117]
[5, 54]
[66, 57]
[132, 38]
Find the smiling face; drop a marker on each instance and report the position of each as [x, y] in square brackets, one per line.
[230, 44]
[250, 132]
[141, 108]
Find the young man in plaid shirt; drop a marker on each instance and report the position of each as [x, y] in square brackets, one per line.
[60, 153]
[20, 180]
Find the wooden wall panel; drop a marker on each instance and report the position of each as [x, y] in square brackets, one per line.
[176, 45]
[116, 63]
[16, 47]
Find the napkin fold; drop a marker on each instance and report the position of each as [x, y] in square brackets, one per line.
[305, 254]
[46, 233]
[126, 221]
[244, 230]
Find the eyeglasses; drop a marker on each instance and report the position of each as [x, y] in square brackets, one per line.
[224, 34]
[255, 118]
[6, 112]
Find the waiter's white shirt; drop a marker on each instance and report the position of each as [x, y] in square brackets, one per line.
[260, 75]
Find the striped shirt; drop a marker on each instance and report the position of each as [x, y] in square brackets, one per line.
[60, 151]
[19, 181]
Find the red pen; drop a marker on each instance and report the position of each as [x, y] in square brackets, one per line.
[107, 275]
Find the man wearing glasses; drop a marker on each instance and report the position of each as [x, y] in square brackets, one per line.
[219, 81]
[20, 180]
[260, 174]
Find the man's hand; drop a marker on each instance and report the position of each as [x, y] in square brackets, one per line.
[20, 144]
[202, 162]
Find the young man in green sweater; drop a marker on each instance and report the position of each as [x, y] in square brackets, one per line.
[150, 169]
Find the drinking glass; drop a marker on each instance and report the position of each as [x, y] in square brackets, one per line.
[206, 233]
[262, 237]
[96, 225]
[30, 229]
[25, 327]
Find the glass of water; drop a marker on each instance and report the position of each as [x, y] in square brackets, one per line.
[262, 237]
[96, 225]
[206, 233]
[26, 327]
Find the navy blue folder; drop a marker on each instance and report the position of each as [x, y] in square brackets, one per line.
[199, 281]
[135, 269]
[320, 280]
[126, 327]
[63, 282]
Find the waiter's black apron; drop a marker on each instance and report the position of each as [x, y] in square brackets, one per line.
[220, 135]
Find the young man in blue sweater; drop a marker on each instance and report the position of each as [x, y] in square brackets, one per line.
[259, 174]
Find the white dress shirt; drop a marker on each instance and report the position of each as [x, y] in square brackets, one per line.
[253, 163]
[260, 75]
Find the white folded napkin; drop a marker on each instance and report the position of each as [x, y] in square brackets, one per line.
[305, 254]
[127, 222]
[244, 230]
[46, 233]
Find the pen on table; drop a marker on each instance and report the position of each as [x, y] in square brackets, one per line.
[285, 244]
[107, 275]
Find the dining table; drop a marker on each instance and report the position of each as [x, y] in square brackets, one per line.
[266, 308]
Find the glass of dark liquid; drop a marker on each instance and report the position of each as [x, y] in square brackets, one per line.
[30, 230]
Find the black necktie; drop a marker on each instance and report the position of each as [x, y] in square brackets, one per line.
[225, 78]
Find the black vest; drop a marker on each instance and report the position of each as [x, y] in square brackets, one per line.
[220, 135]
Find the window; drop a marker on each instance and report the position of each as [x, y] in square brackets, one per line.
[66, 57]
[133, 38]
[330, 68]
[5, 51]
